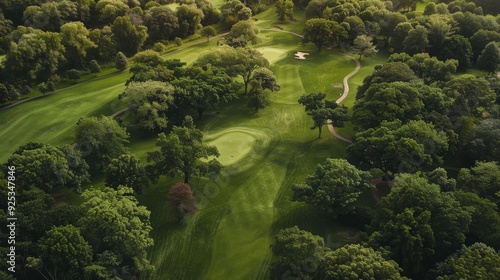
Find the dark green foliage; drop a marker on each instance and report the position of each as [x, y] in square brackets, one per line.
[46, 167]
[484, 142]
[100, 140]
[181, 152]
[419, 224]
[471, 95]
[482, 179]
[334, 187]
[150, 101]
[428, 68]
[4, 94]
[480, 39]
[161, 23]
[489, 60]
[457, 47]
[64, 252]
[234, 11]
[416, 41]
[284, 9]
[297, 253]
[397, 148]
[126, 170]
[121, 61]
[357, 262]
[208, 31]
[201, 89]
[73, 74]
[477, 261]
[242, 33]
[94, 66]
[128, 37]
[389, 72]
[322, 32]
[117, 228]
[322, 110]
[189, 19]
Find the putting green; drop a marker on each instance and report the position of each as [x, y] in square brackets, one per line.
[233, 145]
[273, 54]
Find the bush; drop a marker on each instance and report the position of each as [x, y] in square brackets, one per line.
[94, 66]
[121, 61]
[72, 74]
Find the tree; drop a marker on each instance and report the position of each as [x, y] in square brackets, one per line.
[202, 89]
[4, 94]
[475, 261]
[485, 225]
[181, 153]
[94, 66]
[241, 62]
[457, 47]
[121, 61]
[484, 142]
[73, 74]
[389, 23]
[180, 196]
[76, 42]
[189, 18]
[107, 46]
[50, 16]
[46, 167]
[387, 73]
[439, 31]
[333, 188]
[419, 224]
[398, 36]
[428, 68]
[128, 37]
[482, 38]
[364, 46]
[109, 10]
[322, 110]
[126, 170]
[416, 41]
[396, 148]
[178, 42]
[298, 252]
[115, 224]
[150, 102]
[100, 140]
[36, 57]
[284, 9]
[354, 261]
[489, 60]
[242, 33]
[64, 252]
[161, 22]
[482, 179]
[322, 32]
[471, 95]
[208, 31]
[234, 11]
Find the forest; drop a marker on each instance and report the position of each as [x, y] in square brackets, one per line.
[184, 139]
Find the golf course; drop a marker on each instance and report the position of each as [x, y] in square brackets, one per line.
[263, 153]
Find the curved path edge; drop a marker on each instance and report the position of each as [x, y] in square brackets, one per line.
[345, 82]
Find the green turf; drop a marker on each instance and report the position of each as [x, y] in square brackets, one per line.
[51, 119]
[265, 153]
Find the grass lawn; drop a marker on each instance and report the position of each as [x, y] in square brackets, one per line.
[264, 154]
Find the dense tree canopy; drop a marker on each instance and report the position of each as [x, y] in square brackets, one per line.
[334, 187]
[126, 170]
[322, 32]
[181, 152]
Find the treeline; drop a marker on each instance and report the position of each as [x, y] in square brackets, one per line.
[45, 41]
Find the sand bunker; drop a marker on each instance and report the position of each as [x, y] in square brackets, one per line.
[301, 55]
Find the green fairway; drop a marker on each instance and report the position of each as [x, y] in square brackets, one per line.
[51, 119]
[264, 154]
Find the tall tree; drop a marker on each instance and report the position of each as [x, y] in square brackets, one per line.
[416, 41]
[471, 95]
[457, 47]
[298, 253]
[489, 60]
[334, 187]
[202, 89]
[100, 140]
[126, 170]
[75, 40]
[354, 261]
[161, 22]
[284, 9]
[189, 19]
[121, 61]
[150, 102]
[364, 46]
[64, 252]
[419, 224]
[322, 110]
[181, 153]
[477, 261]
[128, 37]
[208, 31]
[242, 33]
[233, 11]
[482, 179]
[397, 148]
[322, 32]
[109, 10]
[115, 224]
